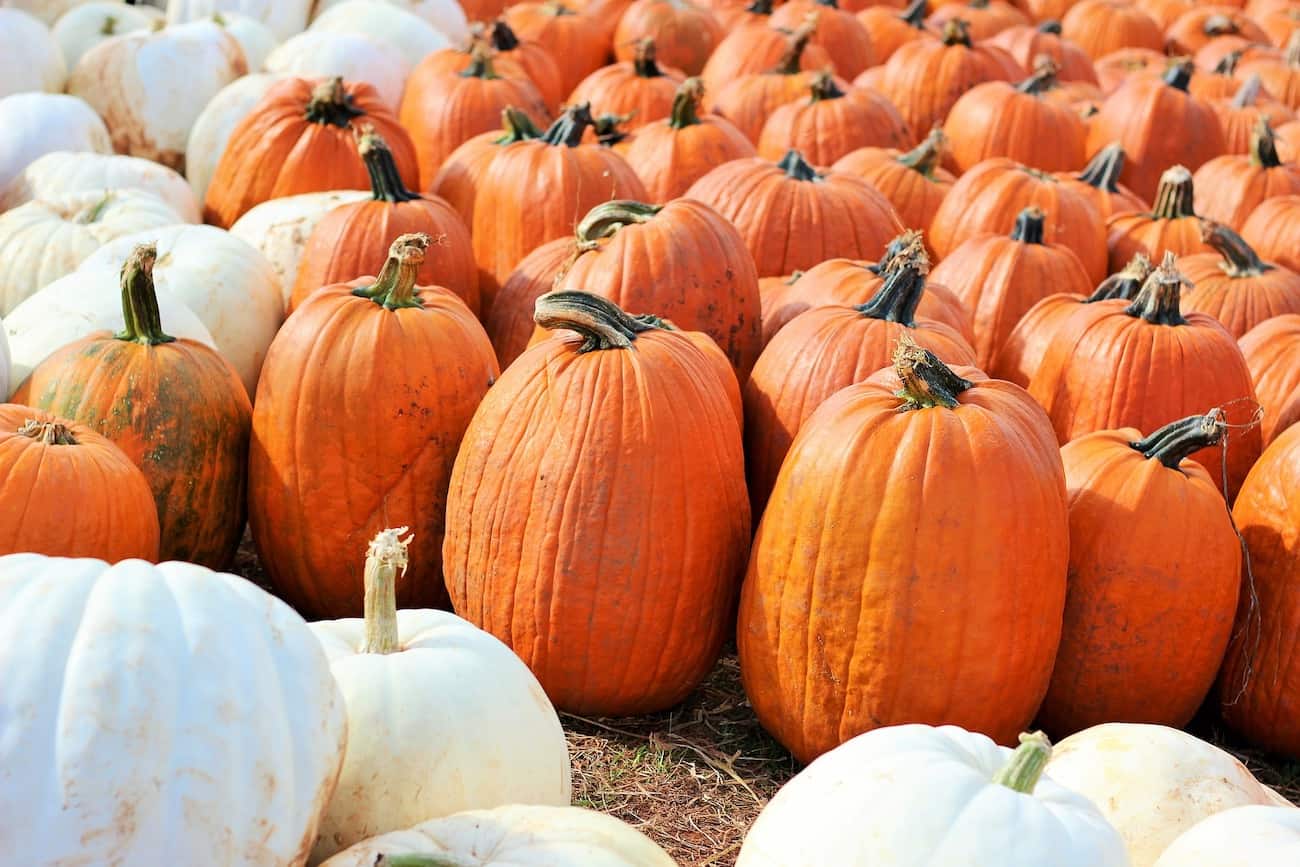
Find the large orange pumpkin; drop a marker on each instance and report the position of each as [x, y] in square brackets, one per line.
[1100, 27]
[1198, 27]
[1274, 231]
[914, 181]
[1272, 351]
[364, 396]
[832, 122]
[1153, 560]
[1234, 285]
[1172, 225]
[890, 28]
[842, 35]
[577, 41]
[1230, 187]
[177, 409]
[685, 33]
[1099, 183]
[48, 463]
[510, 324]
[881, 575]
[457, 180]
[536, 61]
[638, 88]
[299, 139]
[749, 100]
[597, 521]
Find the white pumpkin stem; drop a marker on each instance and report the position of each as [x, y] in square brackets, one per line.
[384, 558]
[1022, 772]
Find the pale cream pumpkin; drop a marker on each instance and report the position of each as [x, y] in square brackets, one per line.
[87, 25]
[389, 25]
[283, 18]
[279, 229]
[446, 16]
[1241, 837]
[4, 362]
[213, 126]
[64, 172]
[48, 11]
[255, 39]
[36, 124]
[327, 53]
[30, 58]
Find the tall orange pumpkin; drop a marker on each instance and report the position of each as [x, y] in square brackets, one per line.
[842, 35]
[882, 573]
[755, 49]
[749, 100]
[1272, 351]
[1100, 27]
[831, 122]
[1172, 224]
[364, 396]
[1234, 285]
[685, 33]
[1230, 187]
[639, 87]
[577, 41]
[457, 181]
[620, 447]
[1099, 183]
[1196, 28]
[175, 407]
[914, 181]
[891, 28]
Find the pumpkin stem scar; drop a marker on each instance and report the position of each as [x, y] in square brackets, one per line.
[331, 103]
[386, 557]
[395, 286]
[927, 381]
[601, 323]
[1175, 195]
[1022, 772]
[1179, 439]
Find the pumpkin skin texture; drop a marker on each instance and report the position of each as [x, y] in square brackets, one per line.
[1234, 285]
[589, 554]
[639, 87]
[1027, 43]
[44, 460]
[175, 407]
[217, 762]
[792, 216]
[1272, 351]
[510, 325]
[882, 601]
[749, 100]
[1274, 231]
[686, 33]
[1230, 187]
[1100, 27]
[890, 28]
[458, 179]
[754, 50]
[914, 182]
[831, 123]
[69, 171]
[416, 355]
[842, 35]
[536, 61]
[572, 38]
[1099, 184]
[869, 802]
[1152, 554]
[299, 139]
[1171, 226]
[1255, 836]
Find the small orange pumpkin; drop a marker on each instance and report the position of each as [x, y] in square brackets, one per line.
[1102, 26]
[638, 88]
[753, 50]
[1241, 114]
[686, 34]
[1197, 27]
[831, 123]
[846, 41]
[890, 29]
[1272, 350]
[1281, 77]
[1234, 285]
[748, 101]
[577, 41]
[1230, 187]
[1027, 43]
[914, 182]
[1099, 183]
[457, 181]
[1274, 231]
[1171, 225]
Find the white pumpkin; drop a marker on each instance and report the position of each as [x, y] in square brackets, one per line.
[446, 16]
[283, 18]
[64, 172]
[226, 282]
[1240, 837]
[1153, 782]
[388, 25]
[75, 306]
[151, 87]
[514, 836]
[254, 38]
[85, 26]
[159, 715]
[280, 229]
[30, 58]
[40, 123]
[325, 54]
[916, 796]
[212, 128]
[48, 11]
[442, 717]
[4, 362]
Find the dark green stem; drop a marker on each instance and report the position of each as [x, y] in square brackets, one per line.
[1051, 25]
[1240, 259]
[604, 220]
[791, 61]
[415, 861]
[914, 14]
[568, 128]
[143, 324]
[899, 295]
[1029, 226]
[760, 7]
[331, 103]
[95, 211]
[956, 32]
[516, 125]
[602, 323]
[926, 156]
[480, 63]
[927, 381]
[796, 167]
[1022, 772]
[502, 37]
[1263, 145]
[1181, 439]
[897, 251]
[823, 87]
[1220, 25]
[1174, 196]
[1179, 74]
[385, 181]
[644, 64]
[686, 104]
[1104, 169]
[1157, 300]
[1043, 79]
[394, 288]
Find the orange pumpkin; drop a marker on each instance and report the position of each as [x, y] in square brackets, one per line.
[686, 34]
[176, 408]
[832, 123]
[48, 462]
[1272, 351]
[1279, 23]
[890, 29]
[914, 182]
[1240, 115]
[1099, 183]
[364, 396]
[1102, 26]
[611, 440]
[639, 88]
[1234, 285]
[1119, 66]
[986, 18]
[1274, 231]
[1288, 140]
[299, 139]
[457, 181]
[1026, 44]
[606, 14]
[1197, 27]
[536, 61]
[1230, 187]
[838, 31]
[577, 41]
[753, 50]
[748, 100]
[510, 324]
[1281, 77]
[887, 528]
[1172, 225]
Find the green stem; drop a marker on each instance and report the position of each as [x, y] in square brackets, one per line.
[516, 125]
[331, 103]
[760, 7]
[1240, 259]
[792, 60]
[926, 156]
[645, 64]
[899, 295]
[140, 299]
[1180, 439]
[95, 211]
[1104, 169]
[604, 220]
[927, 381]
[385, 181]
[568, 128]
[602, 323]
[1179, 74]
[1051, 25]
[1157, 300]
[415, 861]
[796, 167]
[1043, 79]
[394, 288]
[1022, 772]
[1029, 226]
[51, 433]
[1126, 283]
[914, 14]
[686, 104]
[1263, 145]
[385, 558]
[1175, 195]
[480, 63]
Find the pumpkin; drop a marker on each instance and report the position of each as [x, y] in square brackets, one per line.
[1102, 26]
[284, 18]
[862, 803]
[827, 348]
[36, 124]
[154, 664]
[299, 139]
[555, 836]
[445, 106]
[86, 25]
[1172, 225]
[1152, 782]
[832, 123]
[596, 607]
[913, 181]
[407, 353]
[1153, 559]
[793, 216]
[350, 56]
[1279, 23]
[987, 199]
[672, 154]
[638, 87]
[1026, 44]
[754, 50]
[396, 29]
[880, 587]
[510, 324]
[1197, 27]
[748, 100]
[571, 37]
[47, 238]
[986, 18]
[349, 240]
[1281, 77]
[214, 125]
[1230, 187]
[1253, 836]
[64, 172]
[4, 363]
[537, 62]
[999, 278]
[685, 34]
[1234, 285]
[46, 461]
[1099, 183]
[1242, 114]
[1135, 113]
[1273, 230]
[32, 60]
[446, 16]
[1110, 363]
[175, 407]
[890, 28]
[430, 697]
[1116, 68]
[1271, 349]
[457, 181]
[847, 43]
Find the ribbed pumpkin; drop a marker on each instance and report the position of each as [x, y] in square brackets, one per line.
[1110, 365]
[1119, 66]
[1241, 115]
[670, 155]
[175, 407]
[612, 441]
[557, 170]
[753, 49]
[1272, 351]
[890, 28]
[1153, 561]
[793, 216]
[1172, 225]
[638, 87]
[510, 324]
[999, 277]
[1281, 78]
[881, 574]
[349, 241]
[1274, 231]
[444, 105]
[1196, 28]
[363, 400]
[1099, 183]
[1230, 187]
[831, 123]
[685, 33]
[988, 198]
[606, 14]
[1234, 285]
[1159, 124]
[576, 41]
[1026, 44]
[537, 62]
[986, 18]
[1102, 26]
[748, 100]
[838, 31]
[828, 348]
[914, 182]
[299, 139]
[457, 181]
[49, 463]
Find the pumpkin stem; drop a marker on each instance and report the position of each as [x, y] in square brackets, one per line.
[926, 156]
[1263, 145]
[895, 250]
[1043, 79]
[109, 27]
[760, 7]
[977, 4]
[601, 323]
[1240, 259]
[516, 125]
[1248, 94]
[823, 87]
[1022, 772]
[569, 127]
[385, 557]
[608, 127]
[331, 103]
[927, 381]
[385, 181]
[686, 104]
[1220, 25]
[143, 324]
[645, 62]
[51, 433]
[415, 861]
[1180, 439]
[501, 36]
[956, 32]
[480, 62]
[1029, 226]
[1104, 169]
[1179, 74]
[898, 296]
[792, 60]
[1227, 64]
[604, 220]
[1051, 25]
[829, 4]
[1292, 53]
[914, 14]
[95, 211]
[395, 285]
[1124, 284]
[1157, 300]
[1174, 196]
[557, 9]
[796, 167]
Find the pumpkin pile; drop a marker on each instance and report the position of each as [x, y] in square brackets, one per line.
[942, 356]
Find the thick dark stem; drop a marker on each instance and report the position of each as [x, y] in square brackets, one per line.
[1220, 25]
[1104, 169]
[795, 166]
[1227, 64]
[1125, 284]
[516, 125]
[914, 14]
[601, 322]
[1043, 79]
[1157, 301]
[1181, 439]
[569, 127]
[926, 156]
[480, 63]
[956, 32]
[1263, 145]
[897, 251]
[686, 104]
[502, 37]
[899, 295]
[1174, 196]
[385, 181]
[331, 103]
[140, 299]
[823, 87]
[395, 286]
[609, 128]
[1248, 94]
[1179, 74]
[644, 63]
[1029, 226]
[1051, 25]
[604, 220]
[760, 7]
[927, 381]
[792, 60]
[1240, 259]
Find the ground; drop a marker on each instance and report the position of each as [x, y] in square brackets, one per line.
[694, 778]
